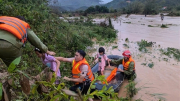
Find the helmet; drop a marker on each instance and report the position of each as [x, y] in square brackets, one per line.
[126, 53]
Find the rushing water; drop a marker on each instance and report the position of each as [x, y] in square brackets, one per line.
[163, 80]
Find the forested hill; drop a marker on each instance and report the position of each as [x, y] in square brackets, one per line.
[74, 4]
[116, 4]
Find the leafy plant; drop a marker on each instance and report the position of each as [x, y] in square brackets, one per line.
[164, 26]
[124, 99]
[12, 66]
[113, 47]
[102, 94]
[54, 93]
[150, 26]
[131, 89]
[17, 79]
[127, 40]
[151, 65]
[143, 44]
[171, 52]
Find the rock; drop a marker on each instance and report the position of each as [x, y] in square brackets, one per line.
[25, 86]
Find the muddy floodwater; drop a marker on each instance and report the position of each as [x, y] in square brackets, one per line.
[162, 81]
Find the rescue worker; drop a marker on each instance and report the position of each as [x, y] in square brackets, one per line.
[14, 33]
[82, 75]
[126, 65]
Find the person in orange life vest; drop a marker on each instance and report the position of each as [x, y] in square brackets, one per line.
[14, 33]
[102, 58]
[81, 72]
[126, 65]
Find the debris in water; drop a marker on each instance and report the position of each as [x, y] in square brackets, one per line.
[151, 65]
[127, 40]
[113, 47]
[144, 64]
[125, 45]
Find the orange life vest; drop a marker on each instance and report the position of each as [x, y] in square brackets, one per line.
[15, 26]
[126, 64]
[76, 71]
[112, 75]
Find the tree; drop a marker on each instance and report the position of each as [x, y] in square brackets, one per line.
[137, 7]
[90, 9]
[151, 7]
[98, 8]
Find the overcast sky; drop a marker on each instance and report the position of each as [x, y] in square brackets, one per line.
[106, 1]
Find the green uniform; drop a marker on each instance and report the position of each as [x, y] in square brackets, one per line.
[11, 47]
[130, 73]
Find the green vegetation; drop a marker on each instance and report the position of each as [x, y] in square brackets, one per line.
[62, 37]
[146, 6]
[174, 13]
[124, 99]
[97, 9]
[127, 40]
[131, 89]
[151, 7]
[17, 79]
[50, 29]
[164, 26]
[72, 5]
[171, 52]
[150, 26]
[113, 47]
[53, 92]
[143, 44]
[135, 8]
[58, 91]
[151, 65]
[105, 15]
[116, 4]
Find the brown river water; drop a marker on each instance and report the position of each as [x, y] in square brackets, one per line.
[162, 81]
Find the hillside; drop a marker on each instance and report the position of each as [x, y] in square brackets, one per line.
[117, 4]
[71, 5]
